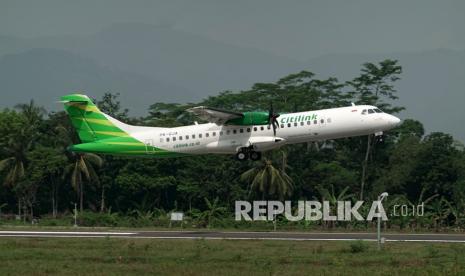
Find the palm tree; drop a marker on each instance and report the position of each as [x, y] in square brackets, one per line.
[83, 168]
[1, 207]
[13, 166]
[213, 211]
[417, 220]
[32, 113]
[82, 165]
[456, 210]
[438, 211]
[332, 197]
[268, 180]
[18, 144]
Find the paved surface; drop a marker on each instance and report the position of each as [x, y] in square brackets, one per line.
[297, 236]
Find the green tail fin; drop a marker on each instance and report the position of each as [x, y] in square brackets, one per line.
[90, 123]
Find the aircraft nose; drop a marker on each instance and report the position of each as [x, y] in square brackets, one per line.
[394, 121]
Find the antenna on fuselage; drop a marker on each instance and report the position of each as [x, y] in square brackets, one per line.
[352, 103]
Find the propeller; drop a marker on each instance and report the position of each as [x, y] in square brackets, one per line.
[272, 119]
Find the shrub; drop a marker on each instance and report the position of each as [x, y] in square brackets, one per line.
[358, 247]
[98, 219]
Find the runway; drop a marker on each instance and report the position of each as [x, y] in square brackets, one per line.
[213, 235]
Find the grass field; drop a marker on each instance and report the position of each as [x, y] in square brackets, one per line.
[116, 256]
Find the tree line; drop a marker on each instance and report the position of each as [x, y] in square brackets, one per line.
[41, 178]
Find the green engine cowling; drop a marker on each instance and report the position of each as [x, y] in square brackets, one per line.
[251, 118]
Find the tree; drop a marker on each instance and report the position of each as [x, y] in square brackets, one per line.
[110, 104]
[14, 168]
[333, 197]
[83, 168]
[375, 87]
[82, 165]
[409, 128]
[22, 131]
[268, 181]
[47, 166]
[214, 210]
[438, 210]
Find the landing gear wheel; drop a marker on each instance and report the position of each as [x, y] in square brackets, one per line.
[255, 155]
[241, 156]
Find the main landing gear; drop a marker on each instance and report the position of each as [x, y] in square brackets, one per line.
[246, 153]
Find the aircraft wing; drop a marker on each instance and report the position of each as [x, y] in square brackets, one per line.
[214, 115]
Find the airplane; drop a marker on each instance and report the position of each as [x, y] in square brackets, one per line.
[244, 134]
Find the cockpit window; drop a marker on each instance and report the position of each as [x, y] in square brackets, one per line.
[364, 112]
[377, 110]
[370, 111]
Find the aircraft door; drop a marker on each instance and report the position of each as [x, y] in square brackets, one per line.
[149, 146]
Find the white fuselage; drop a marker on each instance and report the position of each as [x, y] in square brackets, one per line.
[293, 128]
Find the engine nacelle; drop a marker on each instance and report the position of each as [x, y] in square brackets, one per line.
[266, 142]
[251, 118]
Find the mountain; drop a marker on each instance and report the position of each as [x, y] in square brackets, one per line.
[199, 64]
[148, 63]
[47, 74]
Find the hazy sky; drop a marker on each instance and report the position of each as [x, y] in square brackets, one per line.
[297, 29]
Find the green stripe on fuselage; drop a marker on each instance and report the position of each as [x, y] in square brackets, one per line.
[123, 146]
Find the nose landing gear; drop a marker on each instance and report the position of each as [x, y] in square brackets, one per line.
[379, 137]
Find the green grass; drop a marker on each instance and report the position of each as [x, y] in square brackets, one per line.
[117, 256]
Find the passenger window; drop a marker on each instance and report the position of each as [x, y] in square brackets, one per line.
[315, 122]
[269, 127]
[207, 134]
[193, 136]
[174, 139]
[241, 130]
[377, 110]
[322, 121]
[370, 111]
[248, 129]
[329, 120]
[301, 123]
[235, 131]
[254, 128]
[214, 133]
[187, 137]
[364, 112]
[282, 126]
[309, 123]
[262, 128]
[228, 132]
[180, 138]
[295, 124]
[167, 139]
